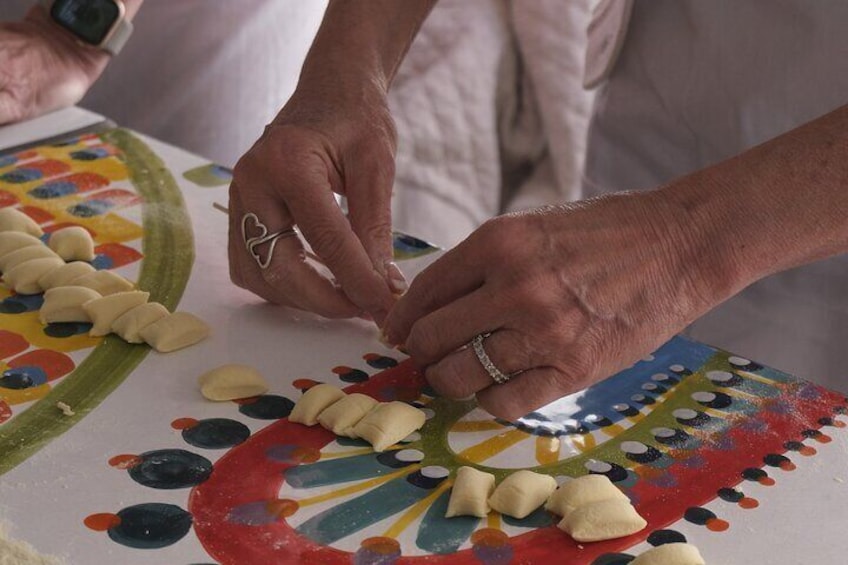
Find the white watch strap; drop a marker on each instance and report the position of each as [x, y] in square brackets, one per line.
[117, 39]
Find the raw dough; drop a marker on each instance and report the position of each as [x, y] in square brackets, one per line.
[66, 410]
[388, 423]
[104, 282]
[313, 402]
[343, 415]
[521, 493]
[229, 382]
[470, 493]
[73, 243]
[64, 304]
[10, 260]
[12, 219]
[130, 323]
[175, 331]
[604, 520]
[14, 240]
[23, 277]
[14, 552]
[64, 274]
[583, 490]
[105, 310]
[671, 554]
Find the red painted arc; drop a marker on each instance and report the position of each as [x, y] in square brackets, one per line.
[246, 475]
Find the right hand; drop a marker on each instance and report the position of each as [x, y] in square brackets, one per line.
[43, 68]
[323, 142]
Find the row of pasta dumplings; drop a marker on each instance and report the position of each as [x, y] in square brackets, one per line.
[74, 291]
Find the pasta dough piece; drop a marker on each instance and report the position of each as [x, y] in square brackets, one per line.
[388, 423]
[10, 260]
[229, 382]
[470, 493]
[313, 402]
[521, 493]
[341, 416]
[105, 310]
[670, 554]
[64, 304]
[12, 219]
[14, 240]
[104, 282]
[64, 274]
[130, 323]
[23, 277]
[73, 243]
[175, 331]
[583, 490]
[604, 520]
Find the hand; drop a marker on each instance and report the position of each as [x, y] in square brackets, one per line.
[570, 295]
[43, 68]
[319, 145]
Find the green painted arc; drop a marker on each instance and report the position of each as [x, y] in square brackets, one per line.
[168, 247]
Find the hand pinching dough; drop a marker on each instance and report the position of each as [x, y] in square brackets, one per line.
[23, 277]
[521, 493]
[175, 331]
[105, 310]
[14, 258]
[14, 240]
[604, 520]
[104, 282]
[313, 402]
[64, 304]
[64, 274]
[470, 493]
[583, 490]
[341, 416]
[671, 554]
[229, 382]
[73, 243]
[130, 323]
[12, 219]
[388, 423]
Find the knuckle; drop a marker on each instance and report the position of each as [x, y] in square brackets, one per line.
[423, 342]
[448, 381]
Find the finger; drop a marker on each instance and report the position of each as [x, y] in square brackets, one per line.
[457, 273]
[451, 327]
[461, 373]
[10, 108]
[526, 392]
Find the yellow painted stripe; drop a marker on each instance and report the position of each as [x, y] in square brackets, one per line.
[492, 446]
[758, 378]
[365, 485]
[493, 520]
[349, 453]
[584, 443]
[547, 450]
[410, 515]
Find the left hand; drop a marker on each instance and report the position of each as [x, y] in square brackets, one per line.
[570, 295]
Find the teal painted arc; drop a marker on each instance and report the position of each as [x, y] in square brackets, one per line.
[440, 535]
[336, 471]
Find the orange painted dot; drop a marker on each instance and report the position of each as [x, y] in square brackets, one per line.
[341, 370]
[102, 522]
[807, 451]
[370, 356]
[124, 461]
[838, 424]
[787, 465]
[304, 384]
[306, 454]
[183, 423]
[823, 438]
[246, 401]
[766, 481]
[489, 537]
[282, 508]
[717, 525]
[381, 545]
[749, 503]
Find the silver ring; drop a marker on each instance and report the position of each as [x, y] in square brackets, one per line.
[497, 375]
[251, 243]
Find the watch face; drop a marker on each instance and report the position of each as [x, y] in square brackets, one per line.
[90, 20]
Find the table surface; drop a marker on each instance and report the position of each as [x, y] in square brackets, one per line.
[742, 460]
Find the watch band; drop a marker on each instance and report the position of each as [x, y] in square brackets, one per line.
[116, 39]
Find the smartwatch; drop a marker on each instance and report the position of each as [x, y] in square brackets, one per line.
[99, 23]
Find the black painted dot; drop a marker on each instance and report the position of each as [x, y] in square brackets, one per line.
[678, 438]
[662, 537]
[720, 401]
[811, 433]
[12, 306]
[826, 421]
[698, 515]
[410, 241]
[267, 407]
[537, 416]
[730, 495]
[600, 422]
[20, 378]
[380, 361]
[216, 433]
[644, 399]
[754, 474]
[66, 329]
[699, 420]
[151, 526]
[352, 442]
[793, 445]
[429, 391]
[390, 459]
[840, 409]
[423, 481]
[616, 474]
[651, 455]
[626, 410]
[613, 559]
[354, 376]
[171, 469]
[775, 460]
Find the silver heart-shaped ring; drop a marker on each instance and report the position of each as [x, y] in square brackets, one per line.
[251, 243]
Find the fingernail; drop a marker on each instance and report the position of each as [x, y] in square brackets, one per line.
[396, 280]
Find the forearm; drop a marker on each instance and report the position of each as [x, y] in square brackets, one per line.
[779, 205]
